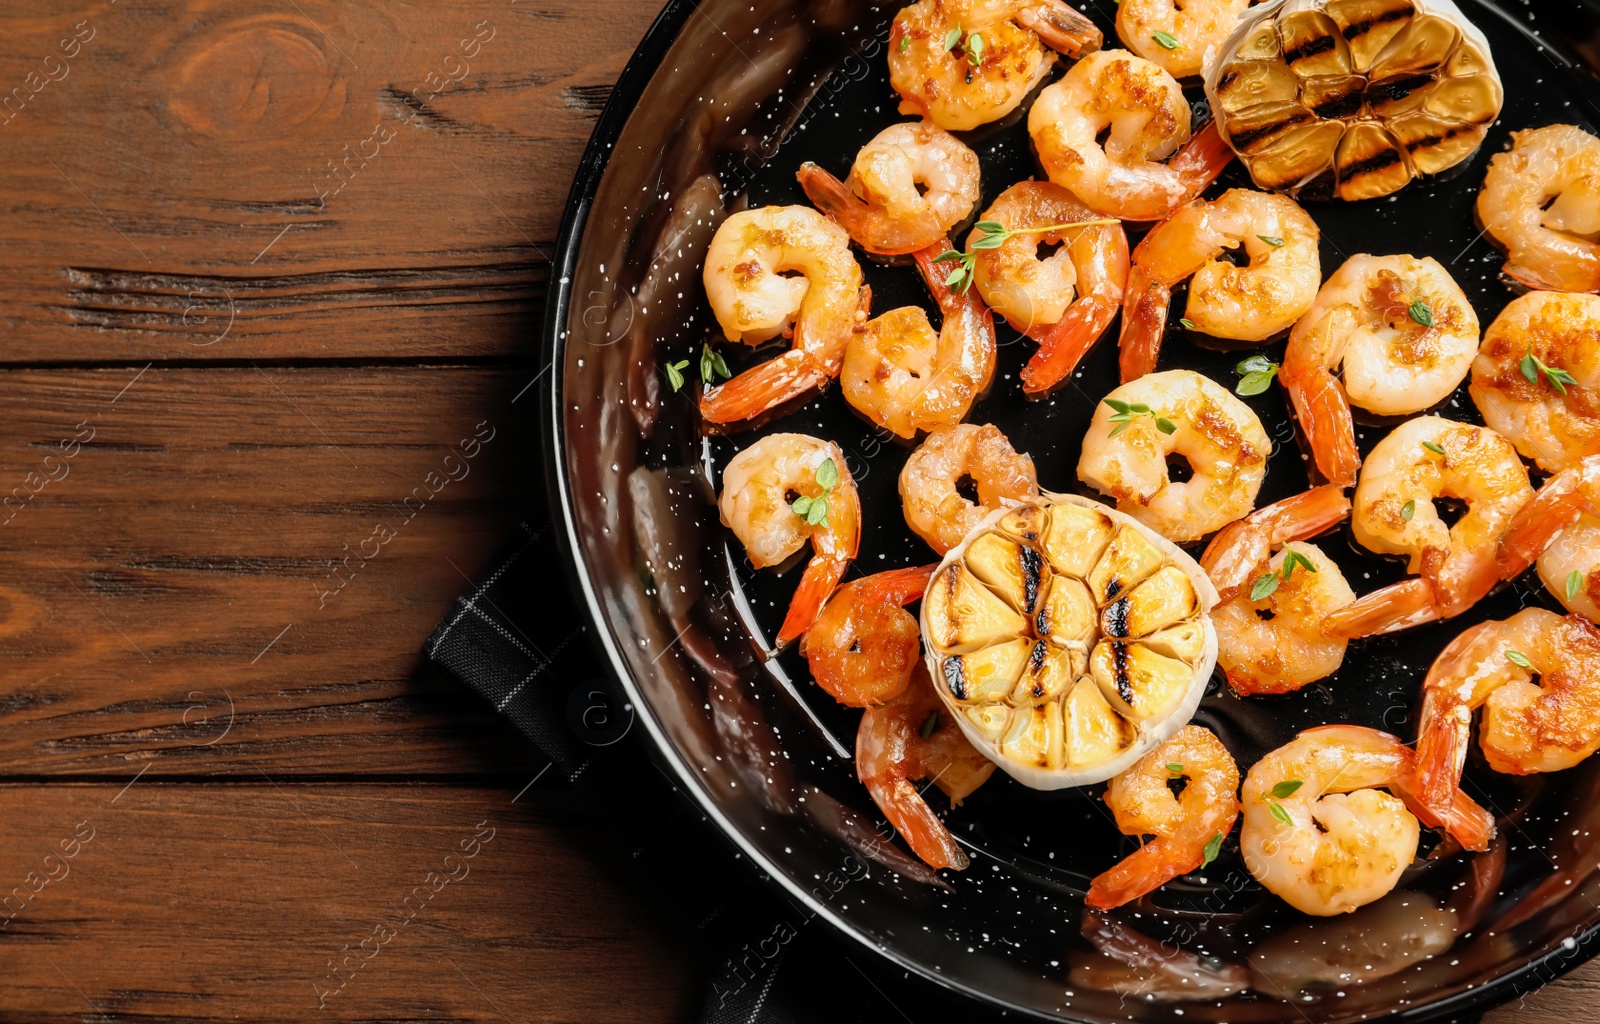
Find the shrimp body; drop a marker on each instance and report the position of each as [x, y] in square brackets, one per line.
[906, 378]
[957, 89]
[754, 301]
[1395, 514]
[935, 509]
[1541, 203]
[1244, 303]
[895, 746]
[1276, 644]
[1528, 726]
[1143, 109]
[1143, 803]
[1560, 528]
[1220, 437]
[1197, 25]
[1064, 301]
[907, 188]
[756, 505]
[1405, 336]
[1321, 833]
[1554, 426]
[864, 645]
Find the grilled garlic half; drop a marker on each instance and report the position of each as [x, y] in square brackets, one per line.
[1352, 97]
[1068, 639]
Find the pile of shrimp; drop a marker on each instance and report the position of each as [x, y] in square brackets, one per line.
[1332, 819]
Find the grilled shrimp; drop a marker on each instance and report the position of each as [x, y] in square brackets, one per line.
[1528, 726]
[1183, 825]
[1321, 833]
[1064, 301]
[756, 505]
[1193, 26]
[935, 509]
[1248, 303]
[904, 377]
[1274, 643]
[1422, 460]
[1541, 204]
[864, 645]
[754, 301]
[912, 737]
[962, 63]
[1125, 453]
[1143, 109]
[1561, 528]
[1549, 405]
[1405, 335]
[907, 188]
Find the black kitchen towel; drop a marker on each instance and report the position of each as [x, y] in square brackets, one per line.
[528, 655]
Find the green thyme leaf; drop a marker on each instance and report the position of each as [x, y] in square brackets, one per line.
[675, 373]
[1279, 813]
[1258, 373]
[1117, 405]
[948, 255]
[1174, 767]
[1435, 449]
[1120, 427]
[952, 37]
[1186, 323]
[905, 43]
[817, 515]
[1408, 510]
[991, 241]
[1165, 425]
[827, 475]
[1530, 367]
[929, 724]
[1420, 312]
[1558, 378]
[1292, 558]
[1519, 659]
[801, 506]
[1266, 586]
[989, 227]
[1574, 584]
[713, 366]
[975, 48]
[1276, 243]
[1285, 789]
[1213, 848]
[1167, 40]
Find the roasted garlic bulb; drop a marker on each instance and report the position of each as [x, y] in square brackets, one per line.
[1353, 98]
[1067, 639]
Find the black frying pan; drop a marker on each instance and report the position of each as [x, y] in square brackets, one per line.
[719, 105]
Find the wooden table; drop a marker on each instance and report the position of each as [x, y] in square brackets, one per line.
[267, 263]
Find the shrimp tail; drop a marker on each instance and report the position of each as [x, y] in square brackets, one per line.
[1144, 318]
[821, 577]
[1559, 502]
[1062, 28]
[1202, 159]
[1147, 869]
[1445, 729]
[1323, 411]
[763, 387]
[901, 586]
[1463, 817]
[1064, 343]
[1385, 610]
[914, 819]
[832, 196]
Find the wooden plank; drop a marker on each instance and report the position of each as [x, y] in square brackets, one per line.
[204, 901]
[184, 551]
[247, 179]
[1570, 998]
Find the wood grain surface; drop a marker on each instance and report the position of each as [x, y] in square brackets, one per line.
[273, 266]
